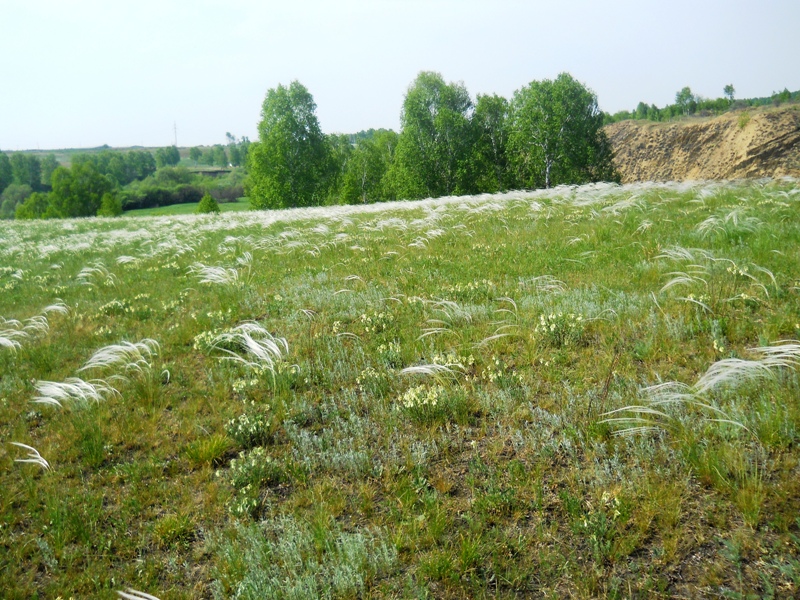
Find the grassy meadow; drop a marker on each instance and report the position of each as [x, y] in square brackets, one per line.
[188, 208]
[572, 393]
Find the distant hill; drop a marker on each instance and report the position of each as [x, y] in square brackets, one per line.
[752, 143]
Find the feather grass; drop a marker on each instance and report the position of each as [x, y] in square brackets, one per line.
[73, 389]
[33, 456]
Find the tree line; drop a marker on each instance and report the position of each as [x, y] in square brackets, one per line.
[549, 133]
[232, 155]
[45, 189]
[104, 183]
[688, 103]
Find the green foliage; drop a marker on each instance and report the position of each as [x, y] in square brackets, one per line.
[34, 207]
[289, 163]
[213, 156]
[170, 185]
[234, 154]
[14, 195]
[77, 192]
[433, 150]
[686, 103]
[167, 157]
[340, 151]
[120, 167]
[489, 160]
[6, 172]
[556, 135]
[743, 119]
[48, 164]
[26, 170]
[226, 188]
[207, 205]
[110, 205]
[365, 176]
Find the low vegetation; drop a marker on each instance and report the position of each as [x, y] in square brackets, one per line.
[578, 392]
[688, 103]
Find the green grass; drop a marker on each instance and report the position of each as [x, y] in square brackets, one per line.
[438, 422]
[185, 209]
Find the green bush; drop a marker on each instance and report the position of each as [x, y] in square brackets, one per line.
[207, 205]
[110, 206]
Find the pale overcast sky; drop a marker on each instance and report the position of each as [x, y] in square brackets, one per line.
[82, 73]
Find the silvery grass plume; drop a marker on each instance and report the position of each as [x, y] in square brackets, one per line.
[96, 270]
[223, 275]
[129, 356]
[219, 275]
[732, 372]
[13, 330]
[37, 325]
[11, 334]
[260, 348]
[704, 269]
[452, 315]
[57, 307]
[441, 373]
[131, 594]
[543, 284]
[727, 373]
[731, 223]
[73, 389]
[33, 456]
[503, 324]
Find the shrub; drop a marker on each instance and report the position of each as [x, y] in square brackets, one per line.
[208, 205]
[744, 119]
[110, 206]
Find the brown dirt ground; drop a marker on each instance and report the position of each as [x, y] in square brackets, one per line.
[729, 146]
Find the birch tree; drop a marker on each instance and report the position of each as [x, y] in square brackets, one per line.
[556, 136]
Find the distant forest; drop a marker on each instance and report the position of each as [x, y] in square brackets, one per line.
[687, 103]
[549, 133]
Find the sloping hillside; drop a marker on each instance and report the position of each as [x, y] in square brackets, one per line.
[755, 143]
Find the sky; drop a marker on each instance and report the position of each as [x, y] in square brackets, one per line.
[83, 73]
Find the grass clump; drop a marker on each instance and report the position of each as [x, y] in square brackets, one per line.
[285, 558]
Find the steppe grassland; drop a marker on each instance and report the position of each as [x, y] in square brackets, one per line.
[578, 392]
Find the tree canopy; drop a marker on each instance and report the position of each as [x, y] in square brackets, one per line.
[364, 178]
[167, 156]
[489, 152]
[77, 192]
[6, 172]
[434, 146]
[556, 134]
[289, 162]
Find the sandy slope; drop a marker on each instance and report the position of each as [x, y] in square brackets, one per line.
[724, 147]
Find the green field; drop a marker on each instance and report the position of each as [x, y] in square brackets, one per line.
[185, 209]
[571, 393]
